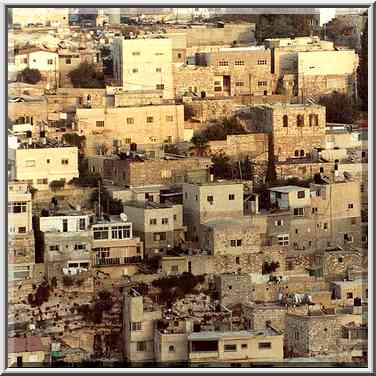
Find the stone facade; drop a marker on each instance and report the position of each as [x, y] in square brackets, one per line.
[260, 316]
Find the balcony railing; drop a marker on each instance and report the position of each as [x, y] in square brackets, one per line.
[117, 260]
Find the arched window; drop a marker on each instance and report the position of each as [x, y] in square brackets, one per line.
[285, 121]
[313, 120]
[302, 153]
[300, 120]
[296, 153]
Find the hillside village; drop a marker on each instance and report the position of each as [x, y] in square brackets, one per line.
[184, 193]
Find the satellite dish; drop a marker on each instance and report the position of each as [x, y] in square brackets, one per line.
[123, 217]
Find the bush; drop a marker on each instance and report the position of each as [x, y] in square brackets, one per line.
[89, 181]
[56, 185]
[30, 76]
[86, 76]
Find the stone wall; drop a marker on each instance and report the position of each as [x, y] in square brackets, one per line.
[260, 316]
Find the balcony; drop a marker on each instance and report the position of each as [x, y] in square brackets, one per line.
[200, 356]
[111, 261]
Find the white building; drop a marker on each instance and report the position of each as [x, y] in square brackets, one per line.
[40, 164]
[144, 64]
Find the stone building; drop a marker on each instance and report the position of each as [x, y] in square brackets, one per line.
[21, 253]
[207, 201]
[240, 70]
[139, 316]
[156, 124]
[159, 226]
[144, 64]
[296, 129]
[311, 335]
[40, 163]
[134, 173]
[26, 352]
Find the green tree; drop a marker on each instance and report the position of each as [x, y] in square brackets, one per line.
[222, 166]
[109, 205]
[86, 76]
[74, 139]
[363, 69]
[30, 76]
[339, 108]
[200, 146]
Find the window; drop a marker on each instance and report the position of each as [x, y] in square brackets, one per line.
[68, 61]
[313, 120]
[340, 259]
[231, 197]
[30, 163]
[78, 247]
[159, 86]
[285, 120]
[353, 221]
[159, 54]
[149, 119]
[64, 161]
[217, 88]
[283, 240]
[50, 61]
[301, 194]
[302, 153]
[223, 63]
[296, 153]
[153, 221]
[54, 247]
[48, 161]
[159, 236]
[233, 243]
[174, 268]
[300, 120]
[130, 120]
[244, 346]
[264, 345]
[350, 206]
[179, 55]
[128, 140]
[99, 123]
[42, 181]
[299, 212]
[158, 70]
[237, 260]
[17, 207]
[217, 83]
[348, 238]
[121, 232]
[141, 346]
[82, 223]
[239, 243]
[22, 230]
[100, 233]
[349, 295]
[136, 326]
[279, 222]
[229, 347]
[239, 83]
[296, 335]
[134, 70]
[314, 210]
[171, 348]
[102, 252]
[210, 199]
[239, 62]
[164, 221]
[262, 83]
[325, 226]
[169, 118]
[136, 53]
[262, 62]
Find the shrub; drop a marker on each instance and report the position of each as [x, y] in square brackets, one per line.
[86, 76]
[30, 76]
[56, 185]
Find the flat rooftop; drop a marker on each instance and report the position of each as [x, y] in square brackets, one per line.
[147, 205]
[287, 189]
[216, 335]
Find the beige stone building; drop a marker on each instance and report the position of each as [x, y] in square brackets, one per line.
[142, 125]
[40, 163]
[208, 201]
[240, 70]
[21, 253]
[144, 64]
[25, 352]
[242, 346]
[296, 129]
[159, 226]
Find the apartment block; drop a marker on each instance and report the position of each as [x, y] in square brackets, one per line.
[160, 226]
[144, 64]
[40, 163]
[21, 254]
[208, 201]
[240, 70]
